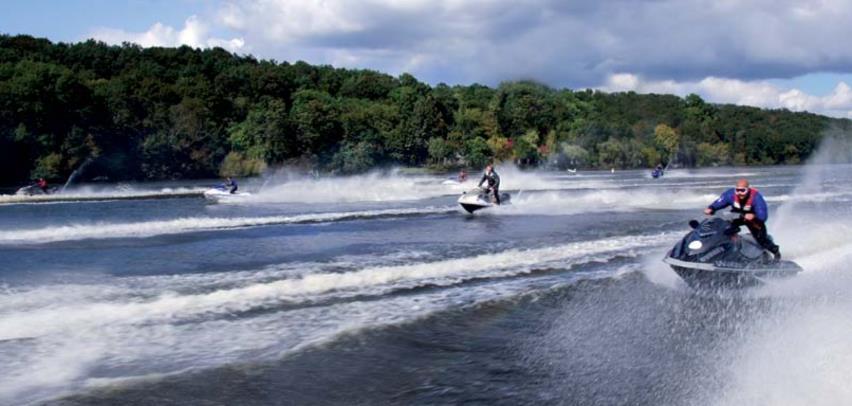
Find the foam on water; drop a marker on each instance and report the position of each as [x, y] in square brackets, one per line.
[170, 305]
[49, 347]
[562, 203]
[80, 195]
[800, 351]
[394, 186]
[686, 173]
[371, 187]
[191, 224]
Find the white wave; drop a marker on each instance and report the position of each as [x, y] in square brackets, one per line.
[371, 187]
[173, 306]
[110, 289]
[561, 203]
[122, 354]
[512, 178]
[799, 353]
[82, 195]
[394, 186]
[733, 173]
[54, 348]
[189, 224]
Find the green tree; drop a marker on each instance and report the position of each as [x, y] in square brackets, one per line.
[526, 148]
[668, 139]
[575, 155]
[713, 154]
[440, 151]
[477, 153]
[316, 118]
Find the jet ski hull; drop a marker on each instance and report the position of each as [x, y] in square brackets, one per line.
[33, 190]
[472, 201]
[702, 276]
[714, 256]
[218, 194]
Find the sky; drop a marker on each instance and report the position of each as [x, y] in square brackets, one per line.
[764, 53]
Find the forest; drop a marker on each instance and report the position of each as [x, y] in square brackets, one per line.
[132, 113]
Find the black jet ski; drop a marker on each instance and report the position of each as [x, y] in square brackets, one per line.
[479, 198]
[714, 255]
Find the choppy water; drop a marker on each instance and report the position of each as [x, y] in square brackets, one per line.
[378, 289]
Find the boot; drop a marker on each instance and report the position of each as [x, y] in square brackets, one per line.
[776, 253]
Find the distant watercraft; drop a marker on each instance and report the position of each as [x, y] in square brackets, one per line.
[218, 193]
[34, 190]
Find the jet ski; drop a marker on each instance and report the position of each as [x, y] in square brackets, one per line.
[714, 256]
[34, 190]
[656, 173]
[218, 193]
[478, 198]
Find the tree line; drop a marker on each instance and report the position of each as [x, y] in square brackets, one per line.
[169, 113]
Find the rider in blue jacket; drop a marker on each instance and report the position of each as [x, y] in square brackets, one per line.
[751, 206]
[231, 185]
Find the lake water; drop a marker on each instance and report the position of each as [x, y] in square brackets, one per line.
[379, 289]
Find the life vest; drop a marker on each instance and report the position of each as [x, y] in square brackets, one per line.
[747, 207]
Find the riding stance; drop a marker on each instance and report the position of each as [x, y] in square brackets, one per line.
[231, 185]
[493, 179]
[42, 184]
[751, 206]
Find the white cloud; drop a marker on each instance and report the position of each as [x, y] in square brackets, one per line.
[725, 50]
[194, 33]
[575, 44]
[838, 103]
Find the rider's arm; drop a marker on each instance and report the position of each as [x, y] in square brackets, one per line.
[482, 180]
[496, 179]
[759, 207]
[723, 201]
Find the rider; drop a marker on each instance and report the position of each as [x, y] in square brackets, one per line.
[493, 182]
[231, 185]
[462, 176]
[42, 184]
[658, 171]
[751, 206]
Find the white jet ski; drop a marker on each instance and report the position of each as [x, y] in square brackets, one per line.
[478, 198]
[218, 193]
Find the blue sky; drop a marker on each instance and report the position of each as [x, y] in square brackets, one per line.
[775, 54]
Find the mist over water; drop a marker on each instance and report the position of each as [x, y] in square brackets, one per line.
[799, 352]
[379, 289]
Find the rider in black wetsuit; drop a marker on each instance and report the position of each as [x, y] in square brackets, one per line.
[493, 179]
